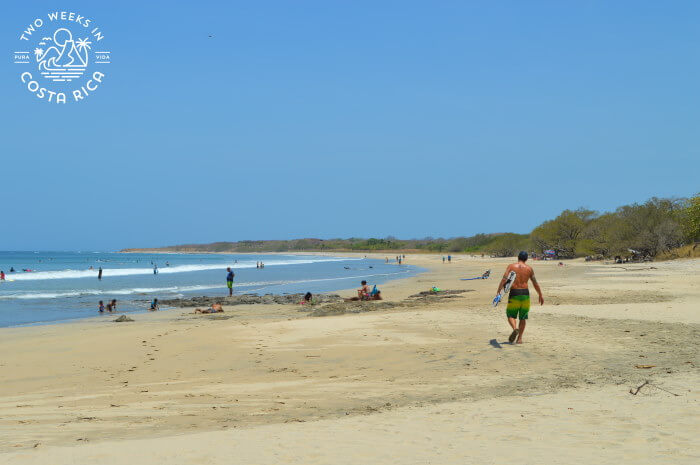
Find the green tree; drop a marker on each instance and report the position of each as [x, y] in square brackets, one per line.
[562, 234]
[690, 219]
[508, 244]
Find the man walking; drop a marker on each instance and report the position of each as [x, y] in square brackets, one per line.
[519, 297]
[229, 281]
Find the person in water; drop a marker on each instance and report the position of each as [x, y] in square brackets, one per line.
[99, 274]
[2, 275]
[155, 269]
[112, 306]
[101, 307]
[12, 270]
[154, 305]
[229, 281]
[519, 297]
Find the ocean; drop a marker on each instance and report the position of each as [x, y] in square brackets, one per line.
[61, 286]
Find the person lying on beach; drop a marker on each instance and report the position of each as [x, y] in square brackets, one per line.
[215, 308]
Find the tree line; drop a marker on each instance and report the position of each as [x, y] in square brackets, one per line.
[655, 227]
[652, 228]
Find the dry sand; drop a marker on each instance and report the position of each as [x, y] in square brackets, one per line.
[425, 381]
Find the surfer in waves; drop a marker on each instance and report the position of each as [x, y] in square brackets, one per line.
[519, 297]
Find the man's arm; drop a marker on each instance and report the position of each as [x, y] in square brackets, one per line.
[537, 288]
[503, 280]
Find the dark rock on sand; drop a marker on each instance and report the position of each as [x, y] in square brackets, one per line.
[248, 299]
[122, 319]
[361, 306]
[444, 294]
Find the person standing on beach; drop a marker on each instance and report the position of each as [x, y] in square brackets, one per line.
[519, 297]
[229, 281]
[99, 274]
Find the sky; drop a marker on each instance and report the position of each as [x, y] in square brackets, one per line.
[349, 119]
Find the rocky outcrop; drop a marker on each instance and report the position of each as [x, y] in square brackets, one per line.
[248, 299]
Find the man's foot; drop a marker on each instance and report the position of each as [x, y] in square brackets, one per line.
[519, 341]
[513, 335]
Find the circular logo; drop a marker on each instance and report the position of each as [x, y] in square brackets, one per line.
[62, 57]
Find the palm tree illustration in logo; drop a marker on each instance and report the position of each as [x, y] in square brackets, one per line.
[83, 46]
[66, 59]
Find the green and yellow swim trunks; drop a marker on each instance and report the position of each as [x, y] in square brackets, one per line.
[518, 304]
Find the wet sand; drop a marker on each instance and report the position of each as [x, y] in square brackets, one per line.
[413, 380]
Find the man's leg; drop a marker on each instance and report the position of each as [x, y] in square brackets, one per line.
[512, 314]
[512, 323]
[523, 323]
[523, 314]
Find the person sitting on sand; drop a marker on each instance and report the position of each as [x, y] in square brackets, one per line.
[363, 292]
[307, 298]
[519, 297]
[215, 308]
[154, 305]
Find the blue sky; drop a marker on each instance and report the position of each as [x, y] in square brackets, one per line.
[340, 119]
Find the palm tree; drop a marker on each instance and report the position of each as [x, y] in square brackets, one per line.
[83, 46]
[37, 53]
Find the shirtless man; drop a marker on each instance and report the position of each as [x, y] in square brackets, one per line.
[519, 298]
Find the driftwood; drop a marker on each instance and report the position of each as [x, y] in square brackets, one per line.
[635, 391]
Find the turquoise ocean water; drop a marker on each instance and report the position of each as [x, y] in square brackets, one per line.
[62, 285]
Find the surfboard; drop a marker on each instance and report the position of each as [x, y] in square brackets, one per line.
[506, 288]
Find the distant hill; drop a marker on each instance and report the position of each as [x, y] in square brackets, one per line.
[458, 244]
[657, 228]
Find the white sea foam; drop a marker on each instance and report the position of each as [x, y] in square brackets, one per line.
[110, 272]
[176, 290]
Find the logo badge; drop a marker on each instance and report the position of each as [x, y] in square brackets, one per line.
[62, 57]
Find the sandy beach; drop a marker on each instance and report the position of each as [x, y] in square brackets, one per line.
[415, 381]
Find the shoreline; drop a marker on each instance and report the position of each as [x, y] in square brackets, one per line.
[414, 271]
[203, 387]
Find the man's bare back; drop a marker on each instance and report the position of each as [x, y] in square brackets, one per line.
[523, 273]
